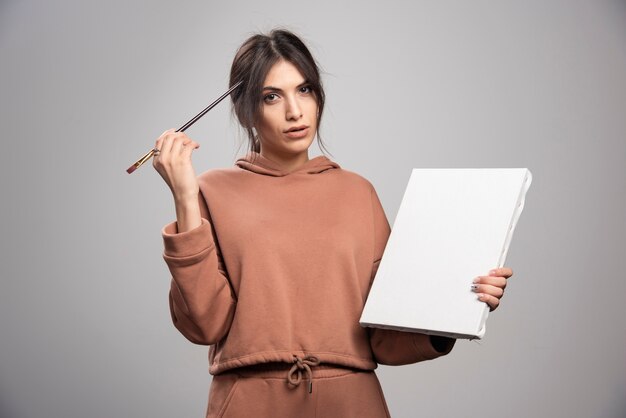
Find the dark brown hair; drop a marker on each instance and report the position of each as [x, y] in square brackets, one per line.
[253, 61]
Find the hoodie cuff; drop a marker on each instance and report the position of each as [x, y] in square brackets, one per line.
[430, 349]
[188, 243]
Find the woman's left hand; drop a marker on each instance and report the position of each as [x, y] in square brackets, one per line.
[490, 288]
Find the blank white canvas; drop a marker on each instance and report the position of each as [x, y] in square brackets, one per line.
[452, 225]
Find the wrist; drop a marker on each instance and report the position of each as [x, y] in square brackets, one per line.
[184, 200]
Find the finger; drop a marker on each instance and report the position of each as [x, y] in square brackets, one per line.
[492, 301]
[492, 280]
[157, 145]
[502, 271]
[169, 141]
[155, 155]
[162, 136]
[488, 289]
[191, 142]
[179, 145]
[159, 140]
[186, 144]
[168, 131]
[188, 149]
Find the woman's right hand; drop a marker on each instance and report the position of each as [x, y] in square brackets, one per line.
[173, 163]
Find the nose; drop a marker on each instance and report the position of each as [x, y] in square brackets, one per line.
[293, 110]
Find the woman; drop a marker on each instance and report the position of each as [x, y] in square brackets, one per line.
[272, 259]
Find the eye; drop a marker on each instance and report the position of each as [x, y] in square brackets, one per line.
[305, 89]
[270, 97]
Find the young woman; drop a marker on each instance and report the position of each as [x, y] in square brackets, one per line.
[272, 259]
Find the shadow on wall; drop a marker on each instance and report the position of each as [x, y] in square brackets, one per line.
[6, 411]
[620, 412]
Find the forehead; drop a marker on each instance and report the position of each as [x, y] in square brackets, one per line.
[283, 74]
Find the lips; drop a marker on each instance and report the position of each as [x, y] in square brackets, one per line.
[296, 128]
[297, 132]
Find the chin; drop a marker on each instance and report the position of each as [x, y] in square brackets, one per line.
[302, 146]
[298, 144]
[286, 146]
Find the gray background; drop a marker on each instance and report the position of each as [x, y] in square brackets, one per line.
[86, 87]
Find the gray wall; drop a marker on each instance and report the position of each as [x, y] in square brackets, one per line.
[86, 87]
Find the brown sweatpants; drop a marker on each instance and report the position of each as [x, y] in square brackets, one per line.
[263, 391]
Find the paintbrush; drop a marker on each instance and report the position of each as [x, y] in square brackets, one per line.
[150, 153]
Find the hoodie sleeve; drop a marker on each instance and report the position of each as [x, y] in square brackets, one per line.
[393, 347]
[201, 300]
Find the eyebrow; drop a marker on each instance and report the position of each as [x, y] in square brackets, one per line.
[272, 88]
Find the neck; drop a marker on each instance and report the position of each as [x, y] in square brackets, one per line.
[287, 162]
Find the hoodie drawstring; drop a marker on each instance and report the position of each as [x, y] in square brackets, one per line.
[299, 365]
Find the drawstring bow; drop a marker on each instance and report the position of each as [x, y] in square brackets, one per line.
[299, 365]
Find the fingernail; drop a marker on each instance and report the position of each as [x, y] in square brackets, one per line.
[491, 272]
[474, 287]
[481, 296]
[476, 280]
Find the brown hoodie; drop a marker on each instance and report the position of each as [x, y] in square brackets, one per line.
[281, 267]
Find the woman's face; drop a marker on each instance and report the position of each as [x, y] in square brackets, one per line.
[289, 113]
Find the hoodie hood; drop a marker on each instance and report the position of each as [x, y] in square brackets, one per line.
[255, 162]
